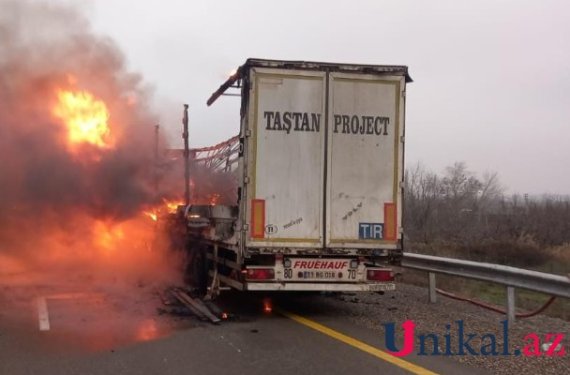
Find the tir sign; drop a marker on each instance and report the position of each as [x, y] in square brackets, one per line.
[370, 231]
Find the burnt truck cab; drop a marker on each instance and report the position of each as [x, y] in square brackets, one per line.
[318, 166]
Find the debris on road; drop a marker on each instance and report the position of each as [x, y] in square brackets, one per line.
[195, 305]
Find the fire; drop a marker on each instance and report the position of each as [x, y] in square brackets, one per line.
[153, 216]
[267, 307]
[172, 206]
[107, 235]
[213, 199]
[166, 207]
[85, 118]
[77, 170]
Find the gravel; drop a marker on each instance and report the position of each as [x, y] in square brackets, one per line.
[410, 303]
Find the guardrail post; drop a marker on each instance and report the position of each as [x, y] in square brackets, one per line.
[511, 313]
[432, 292]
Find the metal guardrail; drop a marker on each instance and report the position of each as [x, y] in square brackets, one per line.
[554, 285]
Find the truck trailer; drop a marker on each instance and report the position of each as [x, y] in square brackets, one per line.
[318, 171]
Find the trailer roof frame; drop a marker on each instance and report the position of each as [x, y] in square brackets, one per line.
[308, 65]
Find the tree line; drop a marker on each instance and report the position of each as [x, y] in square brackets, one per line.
[460, 207]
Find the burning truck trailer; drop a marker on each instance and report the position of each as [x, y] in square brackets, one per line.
[316, 174]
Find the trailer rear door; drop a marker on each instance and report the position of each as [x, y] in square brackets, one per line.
[285, 144]
[365, 160]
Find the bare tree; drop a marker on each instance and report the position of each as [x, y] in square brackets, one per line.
[421, 200]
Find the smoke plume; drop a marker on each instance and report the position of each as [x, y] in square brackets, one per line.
[66, 203]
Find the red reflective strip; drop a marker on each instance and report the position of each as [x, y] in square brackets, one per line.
[257, 218]
[390, 222]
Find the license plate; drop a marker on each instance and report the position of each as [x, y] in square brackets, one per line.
[384, 287]
[318, 275]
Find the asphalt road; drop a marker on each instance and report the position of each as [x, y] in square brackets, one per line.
[99, 332]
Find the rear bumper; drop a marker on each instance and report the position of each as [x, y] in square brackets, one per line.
[317, 287]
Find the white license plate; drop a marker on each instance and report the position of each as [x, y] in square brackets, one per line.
[384, 287]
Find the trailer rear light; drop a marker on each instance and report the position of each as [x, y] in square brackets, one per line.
[380, 275]
[259, 274]
[353, 263]
[287, 263]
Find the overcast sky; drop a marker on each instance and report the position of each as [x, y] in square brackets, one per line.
[492, 78]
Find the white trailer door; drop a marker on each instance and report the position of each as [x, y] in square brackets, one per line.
[286, 147]
[365, 159]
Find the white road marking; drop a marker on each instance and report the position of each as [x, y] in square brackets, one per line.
[43, 314]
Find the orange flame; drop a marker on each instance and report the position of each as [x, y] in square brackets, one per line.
[172, 206]
[213, 199]
[85, 118]
[167, 207]
[108, 235]
[152, 215]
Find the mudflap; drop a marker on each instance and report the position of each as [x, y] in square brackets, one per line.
[196, 270]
